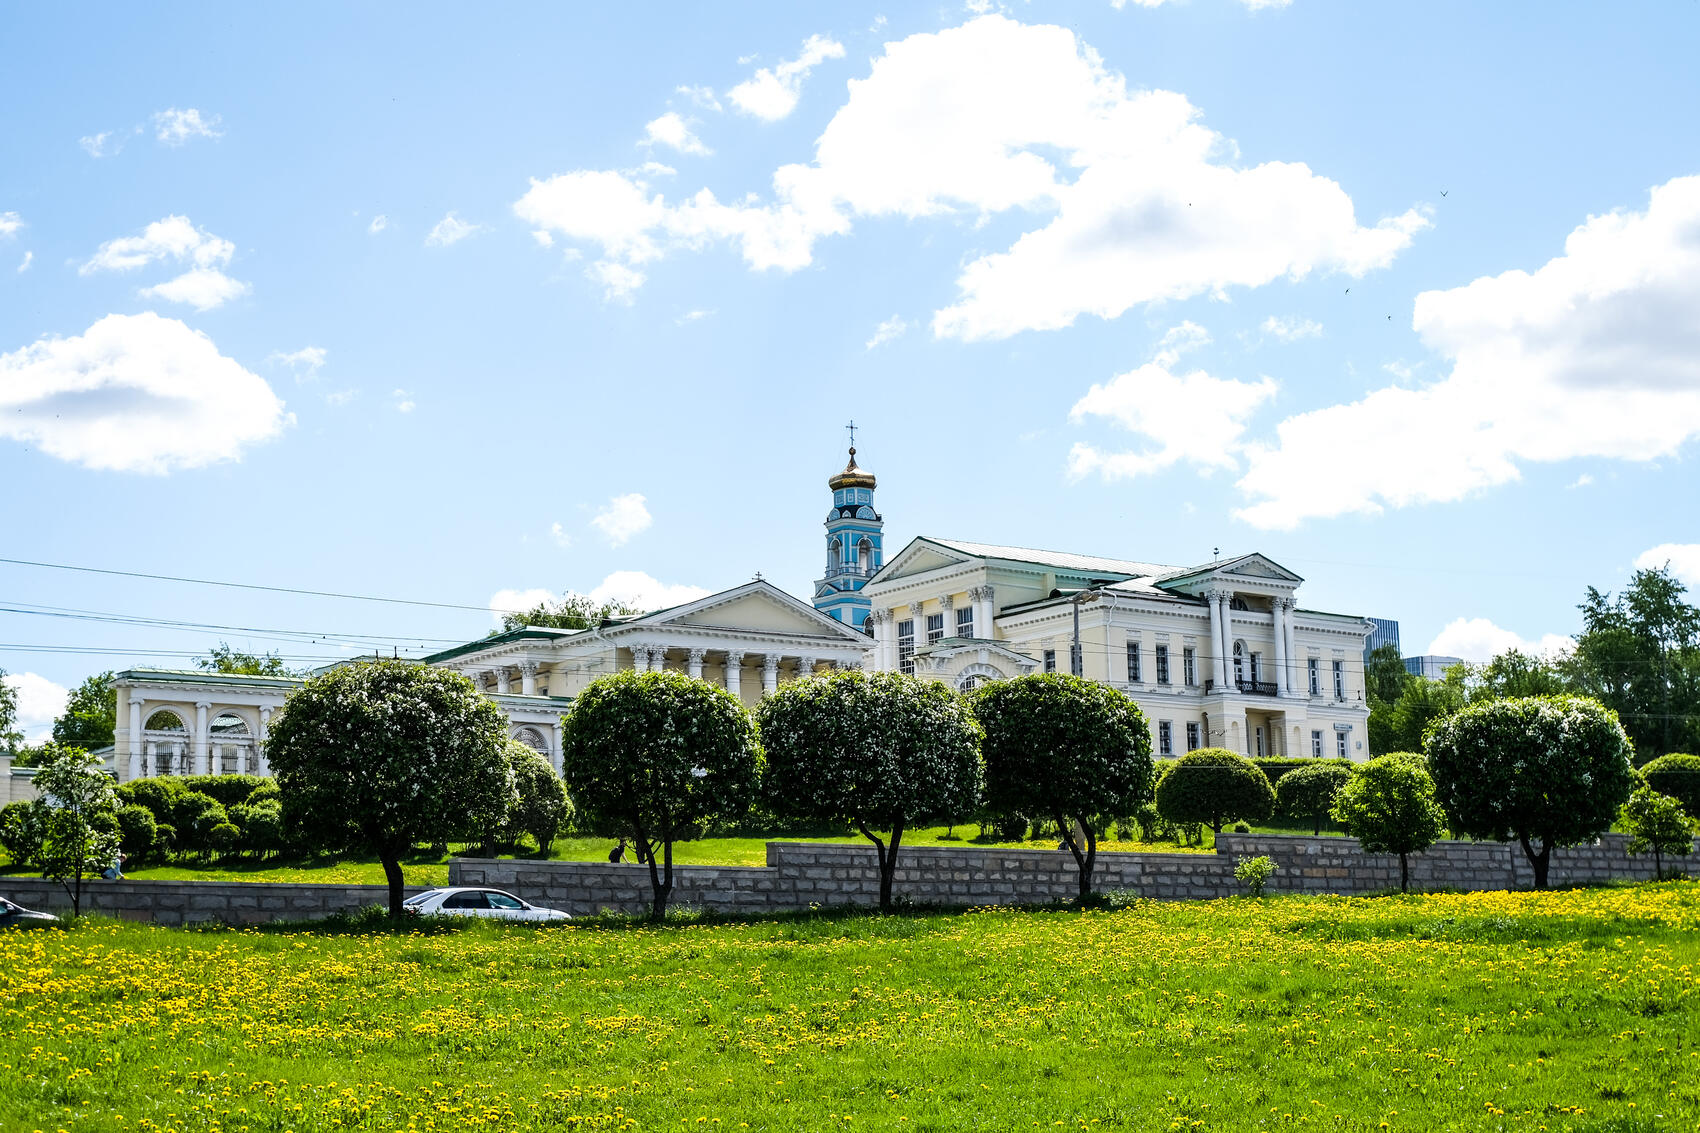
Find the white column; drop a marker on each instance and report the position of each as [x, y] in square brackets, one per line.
[528, 678]
[947, 608]
[1216, 674]
[262, 766]
[203, 755]
[658, 658]
[769, 673]
[135, 744]
[1279, 624]
[694, 667]
[882, 630]
[735, 674]
[983, 621]
[1226, 601]
[1292, 653]
[502, 683]
[805, 667]
[555, 746]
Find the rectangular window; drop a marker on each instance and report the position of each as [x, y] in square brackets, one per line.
[1339, 680]
[1340, 744]
[1162, 664]
[1050, 660]
[1315, 677]
[1316, 744]
[965, 622]
[935, 628]
[1189, 667]
[1165, 736]
[1260, 741]
[1134, 675]
[1256, 667]
[906, 646]
[1192, 735]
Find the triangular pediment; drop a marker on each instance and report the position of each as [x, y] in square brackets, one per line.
[919, 557]
[1257, 566]
[758, 607]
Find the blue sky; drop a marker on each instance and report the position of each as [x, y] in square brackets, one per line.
[419, 303]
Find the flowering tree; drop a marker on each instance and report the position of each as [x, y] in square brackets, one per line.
[880, 751]
[1552, 770]
[1214, 786]
[79, 825]
[1067, 748]
[378, 757]
[654, 755]
[1388, 805]
[540, 804]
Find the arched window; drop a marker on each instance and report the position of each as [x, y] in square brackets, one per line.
[834, 554]
[865, 556]
[868, 625]
[1239, 662]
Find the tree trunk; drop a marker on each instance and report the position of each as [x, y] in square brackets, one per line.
[887, 858]
[1084, 863]
[392, 874]
[1404, 873]
[1658, 864]
[660, 879]
[1537, 862]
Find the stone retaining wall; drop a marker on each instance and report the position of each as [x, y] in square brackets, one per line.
[180, 902]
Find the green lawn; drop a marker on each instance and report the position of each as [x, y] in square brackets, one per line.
[1563, 1011]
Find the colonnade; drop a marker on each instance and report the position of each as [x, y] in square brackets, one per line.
[650, 657]
[195, 751]
[981, 600]
[1220, 603]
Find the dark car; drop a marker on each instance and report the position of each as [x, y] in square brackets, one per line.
[13, 915]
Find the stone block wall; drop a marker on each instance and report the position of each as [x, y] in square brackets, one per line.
[182, 902]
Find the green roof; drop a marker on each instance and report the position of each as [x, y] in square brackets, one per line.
[197, 676]
[483, 643]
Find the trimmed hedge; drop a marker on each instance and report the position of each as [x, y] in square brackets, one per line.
[1214, 786]
[1275, 767]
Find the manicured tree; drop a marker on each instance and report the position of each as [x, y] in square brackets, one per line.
[1308, 792]
[1067, 748]
[880, 751]
[1550, 770]
[1388, 805]
[377, 757]
[137, 831]
[79, 827]
[1658, 823]
[541, 806]
[1214, 786]
[652, 755]
[1676, 775]
[194, 815]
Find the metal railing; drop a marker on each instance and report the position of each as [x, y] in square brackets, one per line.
[1250, 688]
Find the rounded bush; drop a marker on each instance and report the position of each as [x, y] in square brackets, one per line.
[138, 832]
[1307, 793]
[1214, 786]
[1676, 775]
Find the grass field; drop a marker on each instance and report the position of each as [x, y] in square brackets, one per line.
[1562, 1011]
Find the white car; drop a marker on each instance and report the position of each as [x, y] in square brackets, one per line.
[467, 901]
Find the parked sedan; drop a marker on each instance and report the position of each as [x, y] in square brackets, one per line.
[16, 916]
[465, 901]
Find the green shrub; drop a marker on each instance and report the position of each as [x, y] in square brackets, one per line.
[1253, 873]
[1657, 823]
[1676, 775]
[1008, 827]
[227, 790]
[1241, 828]
[194, 814]
[224, 837]
[1389, 806]
[261, 824]
[1214, 786]
[1277, 767]
[158, 793]
[22, 828]
[1306, 794]
[138, 832]
[541, 807]
[165, 839]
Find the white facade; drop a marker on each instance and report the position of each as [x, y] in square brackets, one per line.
[1219, 655]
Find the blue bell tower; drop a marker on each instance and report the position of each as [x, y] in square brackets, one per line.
[853, 551]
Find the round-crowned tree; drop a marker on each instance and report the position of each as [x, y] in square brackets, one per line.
[1676, 775]
[1066, 748]
[1306, 794]
[1657, 823]
[653, 755]
[541, 805]
[1214, 786]
[880, 751]
[1546, 770]
[1388, 805]
[377, 757]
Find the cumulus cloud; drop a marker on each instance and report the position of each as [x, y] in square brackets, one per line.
[135, 393]
[450, 230]
[518, 601]
[1594, 354]
[1137, 202]
[772, 93]
[24, 264]
[40, 702]
[175, 127]
[200, 288]
[1193, 417]
[674, 132]
[304, 363]
[174, 238]
[700, 96]
[891, 328]
[623, 518]
[1479, 640]
[379, 223]
[1291, 328]
[10, 224]
[1682, 558]
[95, 144]
[635, 588]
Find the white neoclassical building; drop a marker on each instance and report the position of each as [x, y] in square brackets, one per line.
[1218, 655]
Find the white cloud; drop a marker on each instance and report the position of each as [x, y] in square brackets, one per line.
[403, 400]
[379, 223]
[95, 144]
[544, 240]
[624, 517]
[891, 328]
[201, 288]
[1683, 559]
[692, 316]
[772, 93]
[1179, 339]
[341, 397]
[10, 223]
[24, 264]
[559, 535]
[635, 588]
[518, 601]
[673, 131]
[174, 126]
[1291, 328]
[700, 96]
[450, 230]
[1478, 639]
[135, 393]
[40, 702]
[618, 281]
[1136, 201]
[1594, 354]
[174, 238]
[1581, 481]
[304, 363]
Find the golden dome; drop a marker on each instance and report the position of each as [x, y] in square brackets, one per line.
[852, 476]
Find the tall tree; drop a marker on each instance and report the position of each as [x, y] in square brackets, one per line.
[1067, 748]
[656, 755]
[575, 611]
[91, 715]
[1639, 654]
[1422, 703]
[1385, 681]
[224, 659]
[10, 735]
[80, 824]
[1515, 673]
[378, 757]
[881, 751]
